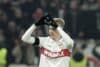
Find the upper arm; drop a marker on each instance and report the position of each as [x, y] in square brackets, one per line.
[68, 40]
[27, 35]
[29, 40]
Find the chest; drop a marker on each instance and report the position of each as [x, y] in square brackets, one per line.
[55, 45]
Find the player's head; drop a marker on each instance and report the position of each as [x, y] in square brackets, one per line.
[60, 22]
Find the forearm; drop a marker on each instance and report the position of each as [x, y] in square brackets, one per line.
[67, 38]
[63, 33]
[27, 35]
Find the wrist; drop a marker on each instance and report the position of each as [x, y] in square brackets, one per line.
[36, 24]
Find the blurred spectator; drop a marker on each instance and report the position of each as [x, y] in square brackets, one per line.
[62, 11]
[98, 3]
[38, 13]
[3, 20]
[78, 60]
[18, 16]
[29, 6]
[52, 7]
[23, 54]
[3, 53]
[90, 45]
[43, 4]
[74, 5]
[96, 53]
[2, 38]
[17, 53]
[81, 35]
[11, 33]
[3, 50]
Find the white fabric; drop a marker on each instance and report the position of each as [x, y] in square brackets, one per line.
[54, 46]
[58, 62]
[27, 35]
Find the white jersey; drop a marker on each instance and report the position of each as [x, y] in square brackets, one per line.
[53, 53]
[53, 46]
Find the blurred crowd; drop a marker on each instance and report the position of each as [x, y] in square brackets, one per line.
[82, 19]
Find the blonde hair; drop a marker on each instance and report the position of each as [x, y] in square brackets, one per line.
[60, 22]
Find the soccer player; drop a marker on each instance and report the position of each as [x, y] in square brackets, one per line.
[55, 49]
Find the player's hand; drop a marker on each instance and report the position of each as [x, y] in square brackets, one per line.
[45, 20]
[48, 20]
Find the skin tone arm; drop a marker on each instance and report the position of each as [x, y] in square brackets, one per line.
[27, 35]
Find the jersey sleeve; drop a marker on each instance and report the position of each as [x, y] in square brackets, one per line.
[27, 35]
[68, 40]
